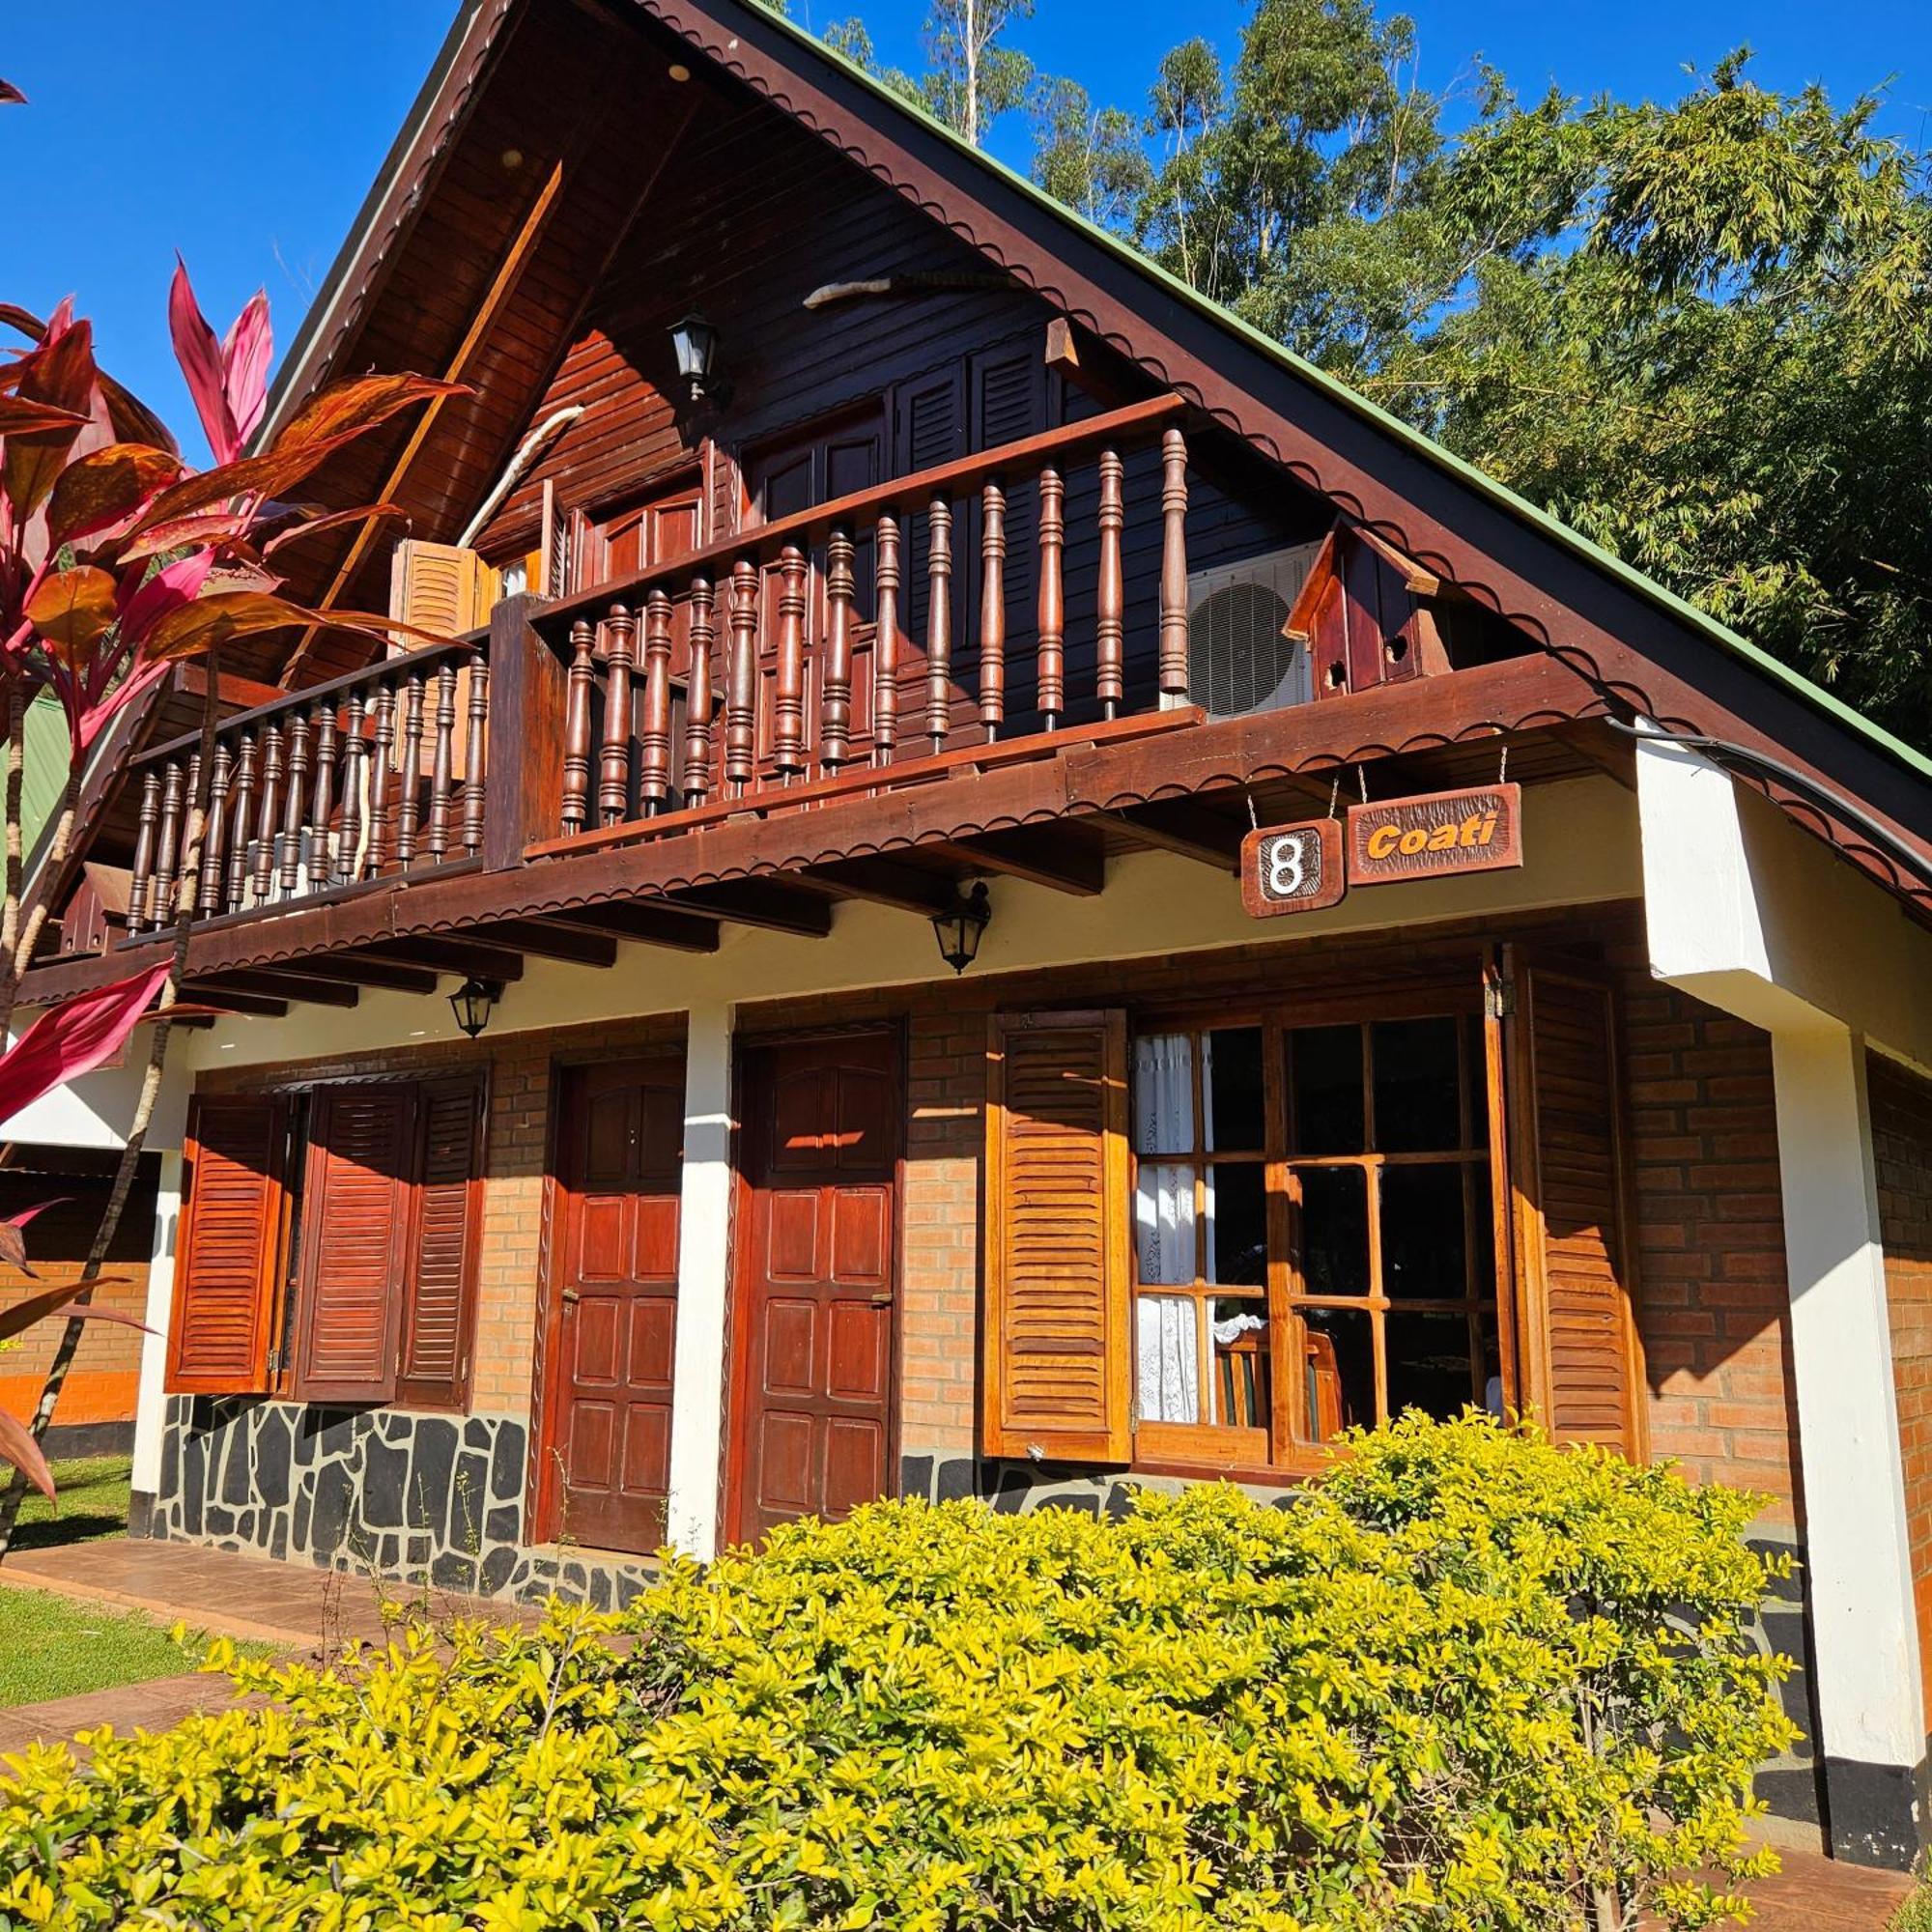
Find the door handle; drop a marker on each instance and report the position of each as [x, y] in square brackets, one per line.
[571, 1296]
[879, 1301]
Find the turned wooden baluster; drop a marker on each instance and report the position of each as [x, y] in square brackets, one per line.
[208, 900]
[240, 824]
[292, 810]
[741, 697]
[139, 889]
[381, 762]
[788, 684]
[1110, 619]
[476, 753]
[1173, 566]
[939, 623]
[167, 843]
[886, 645]
[992, 609]
[654, 731]
[409, 808]
[834, 731]
[614, 784]
[442, 761]
[576, 725]
[1052, 621]
[270, 821]
[349, 854]
[697, 694]
[322, 806]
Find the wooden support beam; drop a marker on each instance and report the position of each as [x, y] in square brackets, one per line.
[552, 939]
[1065, 858]
[360, 969]
[463, 956]
[764, 903]
[889, 882]
[297, 983]
[1188, 830]
[221, 1000]
[655, 923]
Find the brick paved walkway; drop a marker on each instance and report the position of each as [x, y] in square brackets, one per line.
[314, 1612]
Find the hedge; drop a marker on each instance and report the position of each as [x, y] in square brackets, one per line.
[1467, 1680]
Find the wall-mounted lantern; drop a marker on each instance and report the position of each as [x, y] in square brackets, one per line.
[700, 367]
[962, 925]
[472, 1003]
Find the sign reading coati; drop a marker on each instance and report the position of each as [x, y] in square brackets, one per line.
[1476, 830]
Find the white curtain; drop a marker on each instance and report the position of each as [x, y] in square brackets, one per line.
[1168, 1354]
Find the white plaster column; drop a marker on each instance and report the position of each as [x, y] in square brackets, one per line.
[151, 1403]
[1857, 1554]
[703, 1278]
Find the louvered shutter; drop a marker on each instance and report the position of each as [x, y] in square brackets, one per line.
[928, 429]
[441, 588]
[1009, 405]
[439, 1309]
[230, 1248]
[1583, 1373]
[1056, 1330]
[355, 1248]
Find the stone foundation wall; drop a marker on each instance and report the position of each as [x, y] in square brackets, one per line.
[411, 1498]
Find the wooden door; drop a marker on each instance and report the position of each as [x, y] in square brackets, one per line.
[815, 1342]
[613, 1288]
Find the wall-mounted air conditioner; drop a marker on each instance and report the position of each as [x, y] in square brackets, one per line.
[1237, 660]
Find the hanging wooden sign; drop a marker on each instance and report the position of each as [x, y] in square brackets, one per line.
[1293, 867]
[1476, 830]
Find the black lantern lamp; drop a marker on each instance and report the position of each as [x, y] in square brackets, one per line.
[471, 1002]
[695, 343]
[962, 925]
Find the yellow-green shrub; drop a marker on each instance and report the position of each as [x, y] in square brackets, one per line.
[1468, 1681]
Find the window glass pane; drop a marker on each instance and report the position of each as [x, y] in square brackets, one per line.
[1164, 1093]
[1476, 1070]
[1167, 1352]
[1423, 1256]
[1164, 1247]
[1429, 1364]
[1325, 1084]
[1238, 1225]
[1493, 1361]
[1241, 1394]
[1480, 1209]
[1334, 1231]
[1337, 1370]
[1232, 1090]
[1417, 1108]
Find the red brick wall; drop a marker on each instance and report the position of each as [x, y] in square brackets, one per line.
[1713, 1306]
[1901, 1117]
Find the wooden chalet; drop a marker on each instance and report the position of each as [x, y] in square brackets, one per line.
[999, 890]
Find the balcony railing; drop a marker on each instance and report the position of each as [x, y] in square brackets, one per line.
[371, 776]
[918, 616]
[864, 644]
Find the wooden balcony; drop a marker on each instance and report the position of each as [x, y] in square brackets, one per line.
[876, 641]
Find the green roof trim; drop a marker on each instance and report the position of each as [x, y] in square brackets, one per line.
[1632, 578]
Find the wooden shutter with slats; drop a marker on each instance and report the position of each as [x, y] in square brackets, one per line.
[1057, 1365]
[1582, 1364]
[354, 1246]
[441, 588]
[438, 1315]
[230, 1250]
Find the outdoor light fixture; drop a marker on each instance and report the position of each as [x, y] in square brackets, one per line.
[959, 929]
[695, 343]
[471, 1002]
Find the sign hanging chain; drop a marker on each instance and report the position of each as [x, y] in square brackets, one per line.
[1362, 780]
[1254, 822]
[1334, 789]
[1503, 764]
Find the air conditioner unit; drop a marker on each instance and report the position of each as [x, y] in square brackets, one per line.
[1238, 659]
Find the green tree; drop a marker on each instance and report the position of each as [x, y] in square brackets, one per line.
[1091, 159]
[972, 75]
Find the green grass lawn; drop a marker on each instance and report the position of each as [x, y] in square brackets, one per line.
[55, 1647]
[1915, 1913]
[91, 1500]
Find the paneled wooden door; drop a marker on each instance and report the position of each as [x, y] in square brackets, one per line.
[613, 1303]
[813, 1422]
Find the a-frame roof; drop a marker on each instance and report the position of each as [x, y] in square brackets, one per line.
[1647, 650]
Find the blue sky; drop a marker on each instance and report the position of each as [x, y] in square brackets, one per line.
[246, 137]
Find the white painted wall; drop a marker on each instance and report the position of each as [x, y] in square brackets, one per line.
[151, 1403]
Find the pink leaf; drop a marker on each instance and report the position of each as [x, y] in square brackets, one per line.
[179, 583]
[18, 1446]
[200, 357]
[73, 1038]
[246, 351]
[96, 717]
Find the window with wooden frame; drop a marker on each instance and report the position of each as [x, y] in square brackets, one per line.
[1340, 1208]
[329, 1243]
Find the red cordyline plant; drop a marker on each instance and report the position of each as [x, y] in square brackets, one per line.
[118, 560]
